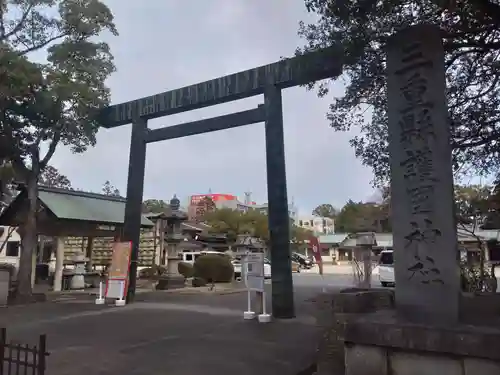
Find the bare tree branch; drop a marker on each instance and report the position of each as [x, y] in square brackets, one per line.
[41, 45]
[51, 150]
[3, 7]
[20, 24]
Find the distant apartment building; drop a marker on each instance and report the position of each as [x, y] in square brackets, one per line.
[232, 202]
[317, 224]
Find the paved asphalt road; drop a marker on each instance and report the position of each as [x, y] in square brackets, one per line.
[173, 333]
[313, 280]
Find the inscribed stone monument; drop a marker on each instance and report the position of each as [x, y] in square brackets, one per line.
[425, 239]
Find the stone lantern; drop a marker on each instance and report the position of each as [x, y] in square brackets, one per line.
[175, 204]
[173, 237]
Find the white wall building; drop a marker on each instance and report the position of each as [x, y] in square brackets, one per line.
[247, 205]
[10, 245]
[317, 224]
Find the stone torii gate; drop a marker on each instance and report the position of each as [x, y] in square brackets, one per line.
[268, 80]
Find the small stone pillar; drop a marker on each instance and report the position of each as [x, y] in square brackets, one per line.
[334, 311]
[362, 261]
[78, 279]
[58, 274]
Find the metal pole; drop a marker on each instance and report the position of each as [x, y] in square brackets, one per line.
[133, 206]
[279, 220]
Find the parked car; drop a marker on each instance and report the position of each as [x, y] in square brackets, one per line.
[302, 260]
[267, 268]
[386, 268]
[312, 259]
[237, 266]
[295, 266]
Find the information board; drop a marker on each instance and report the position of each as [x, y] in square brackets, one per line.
[116, 286]
[120, 262]
[254, 271]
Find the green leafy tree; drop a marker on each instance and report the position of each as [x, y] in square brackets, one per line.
[299, 236]
[258, 224]
[51, 177]
[363, 217]
[492, 219]
[109, 189]
[233, 223]
[155, 206]
[54, 102]
[325, 210]
[483, 10]
[254, 223]
[472, 74]
[7, 176]
[472, 202]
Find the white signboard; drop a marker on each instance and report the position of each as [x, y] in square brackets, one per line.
[115, 288]
[254, 271]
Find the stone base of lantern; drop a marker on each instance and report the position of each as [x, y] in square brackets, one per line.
[171, 282]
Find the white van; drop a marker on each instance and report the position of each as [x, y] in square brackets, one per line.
[238, 265]
[386, 268]
[191, 256]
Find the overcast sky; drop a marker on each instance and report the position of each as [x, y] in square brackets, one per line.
[167, 44]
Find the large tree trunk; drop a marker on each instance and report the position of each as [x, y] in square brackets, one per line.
[29, 239]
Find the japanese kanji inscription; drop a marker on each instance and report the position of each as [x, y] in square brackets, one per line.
[425, 242]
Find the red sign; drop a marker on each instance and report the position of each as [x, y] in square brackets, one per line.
[316, 252]
[195, 199]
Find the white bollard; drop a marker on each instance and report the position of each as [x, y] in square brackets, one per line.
[264, 317]
[249, 314]
[121, 301]
[100, 298]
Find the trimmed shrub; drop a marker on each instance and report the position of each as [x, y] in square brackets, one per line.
[214, 268]
[152, 273]
[198, 281]
[185, 269]
[470, 279]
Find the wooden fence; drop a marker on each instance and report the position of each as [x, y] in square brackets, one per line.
[19, 359]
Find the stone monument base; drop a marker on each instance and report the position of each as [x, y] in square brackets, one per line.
[360, 327]
[171, 282]
[380, 343]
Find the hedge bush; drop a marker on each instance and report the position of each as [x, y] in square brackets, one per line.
[214, 268]
[198, 281]
[470, 279]
[185, 269]
[152, 273]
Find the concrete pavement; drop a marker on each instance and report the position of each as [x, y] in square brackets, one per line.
[168, 333]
